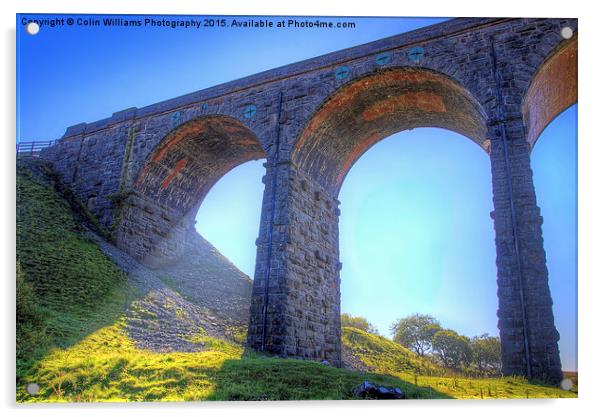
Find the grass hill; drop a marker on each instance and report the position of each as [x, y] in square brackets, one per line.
[66, 287]
[370, 352]
[95, 325]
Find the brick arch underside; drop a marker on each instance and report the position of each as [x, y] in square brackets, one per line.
[552, 90]
[177, 176]
[372, 108]
[192, 158]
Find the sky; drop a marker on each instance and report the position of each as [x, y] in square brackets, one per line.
[415, 231]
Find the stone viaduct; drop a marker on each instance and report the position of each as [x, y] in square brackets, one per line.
[145, 171]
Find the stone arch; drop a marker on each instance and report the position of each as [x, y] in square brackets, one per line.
[306, 272]
[175, 178]
[192, 157]
[375, 106]
[552, 90]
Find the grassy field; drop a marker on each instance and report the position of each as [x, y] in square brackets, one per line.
[387, 357]
[71, 337]
[117, 371]
[106, 366]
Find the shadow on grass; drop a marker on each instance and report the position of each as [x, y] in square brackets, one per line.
[66, 328]
[271, 379]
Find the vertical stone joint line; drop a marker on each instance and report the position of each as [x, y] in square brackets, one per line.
[125, 171]
[125, 166]
[79, 154]
[502, 126]
[271, 225]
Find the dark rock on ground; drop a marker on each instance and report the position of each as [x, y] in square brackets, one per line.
[368, 390]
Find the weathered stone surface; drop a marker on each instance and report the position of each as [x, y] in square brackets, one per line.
[546, 97]
[144, 172]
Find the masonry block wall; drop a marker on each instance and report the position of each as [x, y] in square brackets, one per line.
[92, 166]
[303, 308]
[526, 322]
[144, 172]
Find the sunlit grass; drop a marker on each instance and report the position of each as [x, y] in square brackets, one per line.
[387, 357]
[106, 366]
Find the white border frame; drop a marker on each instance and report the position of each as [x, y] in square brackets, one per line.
[590, 205]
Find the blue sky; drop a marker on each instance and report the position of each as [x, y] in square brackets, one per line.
[415, 230]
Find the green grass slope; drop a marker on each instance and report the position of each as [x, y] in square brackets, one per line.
[66, 287]
[380, 354]
[72, 337]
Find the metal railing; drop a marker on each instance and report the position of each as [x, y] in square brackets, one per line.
[32, 149]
